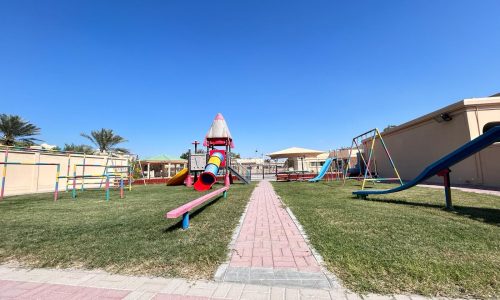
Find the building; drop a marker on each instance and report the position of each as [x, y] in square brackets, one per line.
[419, 142]
[256, 165]
[161, 166]
[307, 164]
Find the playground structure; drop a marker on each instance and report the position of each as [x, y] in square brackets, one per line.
[187, 175]
[333, 167]
[340, 162]
[324, 169]
[442, 166]
[218, 136]
[19, 177]
[117, 173]
[4, 175]
[212, 162]
[366, 168]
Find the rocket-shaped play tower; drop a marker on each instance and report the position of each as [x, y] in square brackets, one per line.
[218, 136]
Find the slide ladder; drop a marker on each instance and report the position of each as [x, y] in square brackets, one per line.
[238, 175]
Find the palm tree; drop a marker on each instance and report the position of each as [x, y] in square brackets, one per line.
[78, 148]
[15, 130]
[106, 140]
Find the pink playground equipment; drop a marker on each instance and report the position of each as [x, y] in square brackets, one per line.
[218, 136]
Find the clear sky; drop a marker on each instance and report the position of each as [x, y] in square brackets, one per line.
[283, 73]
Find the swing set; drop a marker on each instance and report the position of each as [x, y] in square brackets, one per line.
[364, 144]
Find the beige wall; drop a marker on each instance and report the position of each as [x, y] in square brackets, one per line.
[311, 164]
[25, 179]
[416, 144]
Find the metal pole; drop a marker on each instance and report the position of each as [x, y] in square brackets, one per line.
[367, 170]
[447, 190]
[121, 186]
[83, 172]
[195, 143]
[105, 169]
[185, 221]
[4, 173]
[189, 182]
[74, 182]
[129, 177]
[389, 155]
[346, 168]
[142, 171]
[68, 170]
[227, 177]
[56, 188]
[107, 187]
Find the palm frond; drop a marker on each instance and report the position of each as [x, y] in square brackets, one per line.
[15, 129]
[105, 140]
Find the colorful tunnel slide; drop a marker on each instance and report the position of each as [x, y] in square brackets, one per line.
[179, 178]
[209, 176]
[442, 165]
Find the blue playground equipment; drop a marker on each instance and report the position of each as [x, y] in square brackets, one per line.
[323, 171]
[441, 166]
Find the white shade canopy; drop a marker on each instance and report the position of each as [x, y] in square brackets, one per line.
[295, 152]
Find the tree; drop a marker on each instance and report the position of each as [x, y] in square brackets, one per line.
[17, 131]
[78, 148]
[106, 140]
[185, 155]
[389, 127]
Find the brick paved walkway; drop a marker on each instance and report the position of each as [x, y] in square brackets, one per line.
[20, 283]
[270, 249]
[269, 238]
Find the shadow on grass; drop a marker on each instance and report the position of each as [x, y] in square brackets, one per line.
[178, 224]
[482, 214]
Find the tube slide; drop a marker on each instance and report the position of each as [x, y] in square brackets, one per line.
[468, 149]
[323, 171]
[209, 176]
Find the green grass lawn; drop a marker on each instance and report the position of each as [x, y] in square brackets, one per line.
[404, 242]
[128, 236]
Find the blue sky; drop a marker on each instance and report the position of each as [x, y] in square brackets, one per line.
[283, 73]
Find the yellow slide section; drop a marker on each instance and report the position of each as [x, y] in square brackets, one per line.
[178, 178]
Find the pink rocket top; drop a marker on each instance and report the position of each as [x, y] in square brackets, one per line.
[218, 134]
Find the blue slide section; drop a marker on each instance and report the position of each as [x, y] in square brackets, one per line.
[323, 171]
[468, 149]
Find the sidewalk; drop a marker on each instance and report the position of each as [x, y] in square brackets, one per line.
[20, 283]
[270, 249]
[464, 189]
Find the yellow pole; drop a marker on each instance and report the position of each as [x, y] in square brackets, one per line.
[367, 171]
